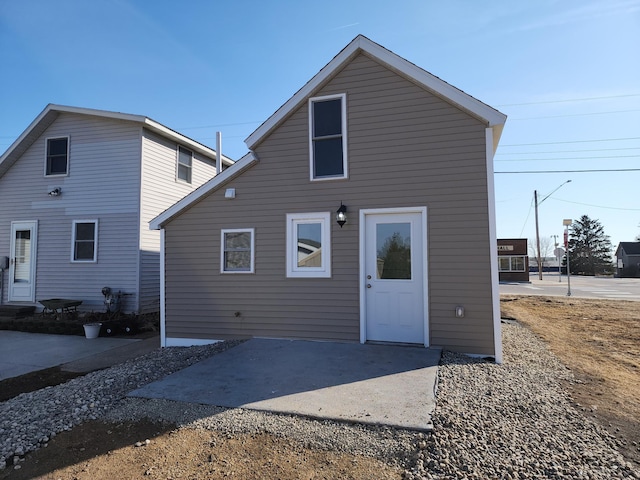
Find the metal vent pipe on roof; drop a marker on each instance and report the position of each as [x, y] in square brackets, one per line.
[218, 152]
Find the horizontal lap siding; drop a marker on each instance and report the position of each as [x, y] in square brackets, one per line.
[102, 185]
[160, 190]
[406, 148]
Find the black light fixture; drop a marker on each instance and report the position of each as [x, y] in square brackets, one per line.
[56, 192]
[341, 215]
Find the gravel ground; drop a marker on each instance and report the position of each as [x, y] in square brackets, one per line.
[491, 421]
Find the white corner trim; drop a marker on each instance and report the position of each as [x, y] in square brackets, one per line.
[493, 250]
[163, 306]
[240, 166]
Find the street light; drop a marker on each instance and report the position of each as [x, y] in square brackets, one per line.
[535, 196]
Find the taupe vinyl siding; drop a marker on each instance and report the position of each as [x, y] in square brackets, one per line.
[160, 190]
[406, 148]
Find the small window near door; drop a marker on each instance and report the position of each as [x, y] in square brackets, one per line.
[308, 245]
[185, 164]
[85, 241]
[57, 160]
[238, 252]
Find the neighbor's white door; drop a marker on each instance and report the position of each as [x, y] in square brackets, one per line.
[394, 277]
[22, 267]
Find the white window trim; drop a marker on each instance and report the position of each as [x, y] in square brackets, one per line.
[46, 155]
[293, 271]
[224, 231]
[178, 179]
[95, 241]
[343, 97]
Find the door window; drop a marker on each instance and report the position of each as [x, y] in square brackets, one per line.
[393, 247]
[23, 256]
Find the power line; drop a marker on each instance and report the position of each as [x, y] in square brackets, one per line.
[565, 158]
[599, 206]
[568, 100]
[570, 151]
[572, 171]
[572, 141]
[574, 115]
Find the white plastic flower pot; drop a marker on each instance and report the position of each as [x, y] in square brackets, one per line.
[92, 330]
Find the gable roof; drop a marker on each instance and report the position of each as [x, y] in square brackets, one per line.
[630, 248]
[51, 112]
[361, 44]
[490, 116]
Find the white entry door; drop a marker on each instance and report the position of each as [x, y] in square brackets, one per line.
[394, 283]
[22, 267]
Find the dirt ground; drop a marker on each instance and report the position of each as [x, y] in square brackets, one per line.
[598, 340]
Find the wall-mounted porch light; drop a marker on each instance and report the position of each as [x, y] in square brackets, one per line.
[460, 311]
[341, 215]
[56, 192]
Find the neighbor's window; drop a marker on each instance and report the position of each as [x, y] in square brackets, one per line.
[85, 241]
[237, 253]
[185, 161]
[328, 137]
[57, 161]
[510, 264]
[308, 245]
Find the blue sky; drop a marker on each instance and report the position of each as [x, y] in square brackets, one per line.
[567, 73]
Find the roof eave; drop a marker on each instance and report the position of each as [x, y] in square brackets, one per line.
[488, 115]
[212, 185]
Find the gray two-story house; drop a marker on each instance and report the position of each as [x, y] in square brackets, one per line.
[77, 190]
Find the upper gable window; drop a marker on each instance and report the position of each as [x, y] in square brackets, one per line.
[328, 137]
[185, 162]
[57, 161]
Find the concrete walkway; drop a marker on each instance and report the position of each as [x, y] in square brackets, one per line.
[22, 352]
[377, 384]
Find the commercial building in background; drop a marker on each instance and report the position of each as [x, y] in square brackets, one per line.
[513, 262]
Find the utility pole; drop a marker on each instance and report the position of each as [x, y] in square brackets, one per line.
[535, 196]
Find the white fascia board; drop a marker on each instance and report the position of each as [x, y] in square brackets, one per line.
[226, 175]
[476, 108]
[150, 124]
[178, 137]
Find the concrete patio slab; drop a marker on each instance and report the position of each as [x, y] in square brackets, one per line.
[375, 384]
[22, 352]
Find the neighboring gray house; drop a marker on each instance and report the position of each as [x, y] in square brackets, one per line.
[77, 190]
[628, 259]
[411, 159]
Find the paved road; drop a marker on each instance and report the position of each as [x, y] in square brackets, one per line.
[583, 287]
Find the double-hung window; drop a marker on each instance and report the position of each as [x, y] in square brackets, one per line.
[238, 250]
[185, 164]
[84, 245]
[328, 137]
[308, 245]
[57, 156]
